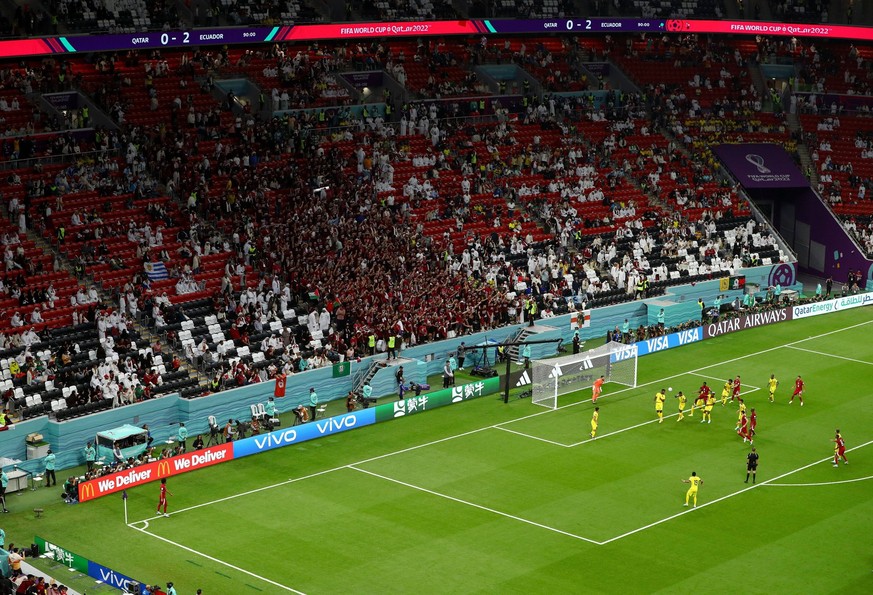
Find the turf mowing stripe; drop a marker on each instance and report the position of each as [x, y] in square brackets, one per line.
[222, 562]
[474, 505]
[751, 487]
[848, 359]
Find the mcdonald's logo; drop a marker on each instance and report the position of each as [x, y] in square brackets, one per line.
[164, 469]
[86, 491]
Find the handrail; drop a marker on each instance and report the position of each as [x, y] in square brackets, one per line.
[53, 159]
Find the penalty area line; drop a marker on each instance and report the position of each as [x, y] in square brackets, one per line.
[823, 354]
[217, 560]
[501, 428]
[764, 483]
[474, 505]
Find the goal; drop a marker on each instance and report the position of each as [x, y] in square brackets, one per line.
[551, 378]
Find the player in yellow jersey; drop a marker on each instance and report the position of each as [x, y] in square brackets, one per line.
[682, 401]
[726, 392]
[772, 384]
[660, 397]
[594, 419]
[695, 482]
[707, 410]
[740, 414]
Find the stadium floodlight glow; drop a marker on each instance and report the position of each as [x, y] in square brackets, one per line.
[551, 378]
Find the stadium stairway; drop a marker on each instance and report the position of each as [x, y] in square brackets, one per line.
[367, 375]
[524, 334]
[185, 376]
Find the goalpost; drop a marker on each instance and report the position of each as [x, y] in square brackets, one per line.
[553, 377]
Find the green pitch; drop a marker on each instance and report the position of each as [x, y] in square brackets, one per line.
[488, 497]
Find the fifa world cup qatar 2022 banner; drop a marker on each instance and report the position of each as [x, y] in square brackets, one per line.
[761, 165]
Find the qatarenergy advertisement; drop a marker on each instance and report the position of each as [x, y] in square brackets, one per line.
[831, 306]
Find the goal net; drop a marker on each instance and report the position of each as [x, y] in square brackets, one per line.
[551, 378]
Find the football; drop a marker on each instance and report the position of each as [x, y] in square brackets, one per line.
[670, 388]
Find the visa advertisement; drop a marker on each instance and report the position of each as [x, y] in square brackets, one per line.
[656, 344]
[309, 431]
[122, 480]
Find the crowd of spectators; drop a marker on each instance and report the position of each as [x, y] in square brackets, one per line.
[559, 199]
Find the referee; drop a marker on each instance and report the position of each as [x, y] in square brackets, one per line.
[751, 465]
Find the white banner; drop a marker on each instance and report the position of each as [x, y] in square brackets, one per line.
[831, 306]
[580, 319]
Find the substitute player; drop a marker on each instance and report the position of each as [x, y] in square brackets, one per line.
[597, 389]
[772, 384]
[660, 397]
[798, 390]
[683, 400]
[707, 410]
[726, 391]
[736, 388]
[162, 499]
[595, 417]
[695, 482]
[753, 423]
[751, 465]
[839, 450]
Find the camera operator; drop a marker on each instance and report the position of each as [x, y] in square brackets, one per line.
[198, 442]
[241, 428]
[229, 431]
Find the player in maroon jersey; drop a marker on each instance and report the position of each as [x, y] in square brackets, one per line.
[162, 499]
[753, 423]
[744, 427]
[737, 387]
[798, 391]
[839, 450]
[702, 393]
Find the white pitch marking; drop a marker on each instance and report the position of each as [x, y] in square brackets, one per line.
[218, 561]
[848, 359]
[474, 505]
[821, 483]
[725, 497]
[532, 437]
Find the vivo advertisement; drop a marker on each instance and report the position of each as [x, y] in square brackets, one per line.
[115, 579]
[304, 432]
[656, 344]
[761, 165]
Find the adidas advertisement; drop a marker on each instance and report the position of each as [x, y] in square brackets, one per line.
[517, 379]
[580, 371]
